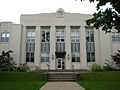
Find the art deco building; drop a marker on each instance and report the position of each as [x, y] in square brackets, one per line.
[59, 40]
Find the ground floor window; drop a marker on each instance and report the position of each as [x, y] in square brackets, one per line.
[29, 57]
[44, 57]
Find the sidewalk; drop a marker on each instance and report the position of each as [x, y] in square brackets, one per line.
[62, 86]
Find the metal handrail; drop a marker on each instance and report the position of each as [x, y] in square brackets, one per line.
[74, 72]
[47, 71]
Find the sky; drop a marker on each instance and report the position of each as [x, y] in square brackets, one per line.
[10, 10]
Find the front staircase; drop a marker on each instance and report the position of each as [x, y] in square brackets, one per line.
[61, 76]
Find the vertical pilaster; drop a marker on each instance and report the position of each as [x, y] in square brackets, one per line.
[37, 47]
[83, 58]
[68, 48]
[52, 47]
[23, 45]
[97, 46]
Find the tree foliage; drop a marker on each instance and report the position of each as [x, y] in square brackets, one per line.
[107, 19]
[6, 61]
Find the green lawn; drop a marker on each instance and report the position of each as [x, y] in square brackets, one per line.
[21, 80]
[100, 81]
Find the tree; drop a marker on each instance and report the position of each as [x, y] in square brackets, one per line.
[6, 61]
[107, 19]
[116, 58]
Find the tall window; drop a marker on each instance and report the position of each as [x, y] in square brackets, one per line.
[30, 45]
[90, 46]
[75, 45]
[60, 41]
[45, 45]
[5, 37]
[115, 37]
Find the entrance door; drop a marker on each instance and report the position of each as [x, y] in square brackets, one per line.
[60, 63]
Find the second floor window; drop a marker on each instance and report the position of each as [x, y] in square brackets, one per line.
[115, 37]
[5, 37]
[60, 41]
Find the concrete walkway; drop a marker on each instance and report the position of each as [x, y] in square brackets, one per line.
[62, 86]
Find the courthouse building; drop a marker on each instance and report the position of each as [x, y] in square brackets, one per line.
[59, 40]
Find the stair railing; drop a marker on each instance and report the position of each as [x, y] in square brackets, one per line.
[74, 72]
[47, 71]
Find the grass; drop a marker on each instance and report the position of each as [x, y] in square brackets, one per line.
[21, 80]
[100, 81]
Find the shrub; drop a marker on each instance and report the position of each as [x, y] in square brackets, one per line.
[116, 58]
[22, 67]
[96, 67]
[6, 61]
[108, 66]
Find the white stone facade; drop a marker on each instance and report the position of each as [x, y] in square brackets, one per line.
[59, 40]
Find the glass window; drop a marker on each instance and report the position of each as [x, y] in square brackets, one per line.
[90, 46]
[5, 37]
[45, 45]
[30, 45]
[60, 41]
[115, 37]
[75, 45]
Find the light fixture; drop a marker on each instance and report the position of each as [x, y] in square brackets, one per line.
[68, 56]
[52, 56]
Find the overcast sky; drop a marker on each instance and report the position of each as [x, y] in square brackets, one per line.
[10, 10]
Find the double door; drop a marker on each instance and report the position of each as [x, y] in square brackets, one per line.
[60, 63]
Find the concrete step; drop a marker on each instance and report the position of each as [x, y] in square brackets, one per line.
[61, 80]
[61, 77]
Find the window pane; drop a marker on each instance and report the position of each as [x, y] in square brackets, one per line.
[58, 40]
[93, 56]
[3, 35]
[42, 59]
[43, 36]
[33, 34]
[47, 36]
[77, 59]
[6, 39]
[47, 59]
[88, 57]
[7, 35]
[115, 37]
[32, 47]
[32, 39]
[2, 39]
[27, 57]
[92, 37]
[29, 34]
[73, 59]
[47, 47]
[72, 47]
[92, 47]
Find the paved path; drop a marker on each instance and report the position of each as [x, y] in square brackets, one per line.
[62, 86]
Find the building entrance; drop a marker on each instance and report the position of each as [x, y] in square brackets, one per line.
[60, 63]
